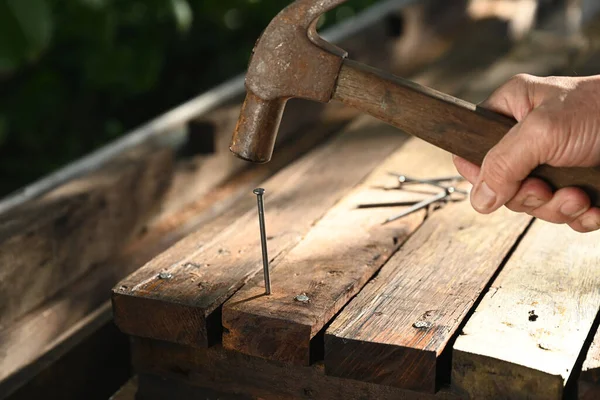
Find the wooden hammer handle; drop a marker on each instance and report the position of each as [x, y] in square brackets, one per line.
[444, 121]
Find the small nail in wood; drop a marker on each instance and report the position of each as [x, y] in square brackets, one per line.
[259, 192]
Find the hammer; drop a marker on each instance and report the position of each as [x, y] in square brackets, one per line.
[291, 60]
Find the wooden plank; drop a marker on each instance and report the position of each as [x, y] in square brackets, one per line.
[49, 243]
[525, 337]
[589, 379]
[166, 369]
[66, 319]
[185, 307]
[333, 262]
[395, 330]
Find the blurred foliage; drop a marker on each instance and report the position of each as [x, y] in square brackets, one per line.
[75, 74]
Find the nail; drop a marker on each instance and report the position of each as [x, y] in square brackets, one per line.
[572, 209]
[259, 192]
[532, 202]
[590, 223]
[440, 196]
[483, 197]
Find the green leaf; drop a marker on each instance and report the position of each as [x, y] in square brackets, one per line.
[25, 31]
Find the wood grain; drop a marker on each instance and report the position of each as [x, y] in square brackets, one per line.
[525, 337]
[589, 379]
[331, 264]
[185, 307]
[215, 373]
[61, 322]
[444, 121]
[396, 328]
[49, 243]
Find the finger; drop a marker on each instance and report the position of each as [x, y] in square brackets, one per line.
[510, 161]
[566, 206]
[533, 193]
[588, 221]
[513, 98]
[466, 169]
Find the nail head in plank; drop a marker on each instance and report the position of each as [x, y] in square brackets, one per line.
[184, 307]
[525, 336]
[396, 328]
[335, 260]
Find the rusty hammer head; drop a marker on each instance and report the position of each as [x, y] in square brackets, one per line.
[288, 60]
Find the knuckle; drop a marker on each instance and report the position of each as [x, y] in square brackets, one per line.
[522, 79]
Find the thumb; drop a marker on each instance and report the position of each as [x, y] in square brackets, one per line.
[509, 162]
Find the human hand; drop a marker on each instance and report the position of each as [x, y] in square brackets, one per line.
[559, 125]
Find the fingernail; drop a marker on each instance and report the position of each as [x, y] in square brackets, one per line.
[572, 209]
[532, 202]
[590, 224]
[483, 198]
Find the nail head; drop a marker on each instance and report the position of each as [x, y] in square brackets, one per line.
[259, 191]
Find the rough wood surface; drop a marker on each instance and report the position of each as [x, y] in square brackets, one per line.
[48, 244]
[331, 264]
[395, 330]
[589, 379]
[524, 338]
[67, 318]
[185, 307]
[217, 373]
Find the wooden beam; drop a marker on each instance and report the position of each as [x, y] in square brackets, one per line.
[524, 339]
[184, 306]
[168, 370]
[589, 379]
[395, 330]
[65, 320]
[49, 243]
[333, 262]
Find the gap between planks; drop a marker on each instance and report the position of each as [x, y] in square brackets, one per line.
[331, 264]
[395, 330]
[185, 306]
[525, 337]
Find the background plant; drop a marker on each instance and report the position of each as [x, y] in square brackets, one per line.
[75, 74]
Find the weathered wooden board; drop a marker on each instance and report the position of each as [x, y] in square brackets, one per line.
[192, 373]
[77, 310]
[185, 307]
[524, 338]
[49, 243]
[331, 264]
[589, 379]
[395, 330]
